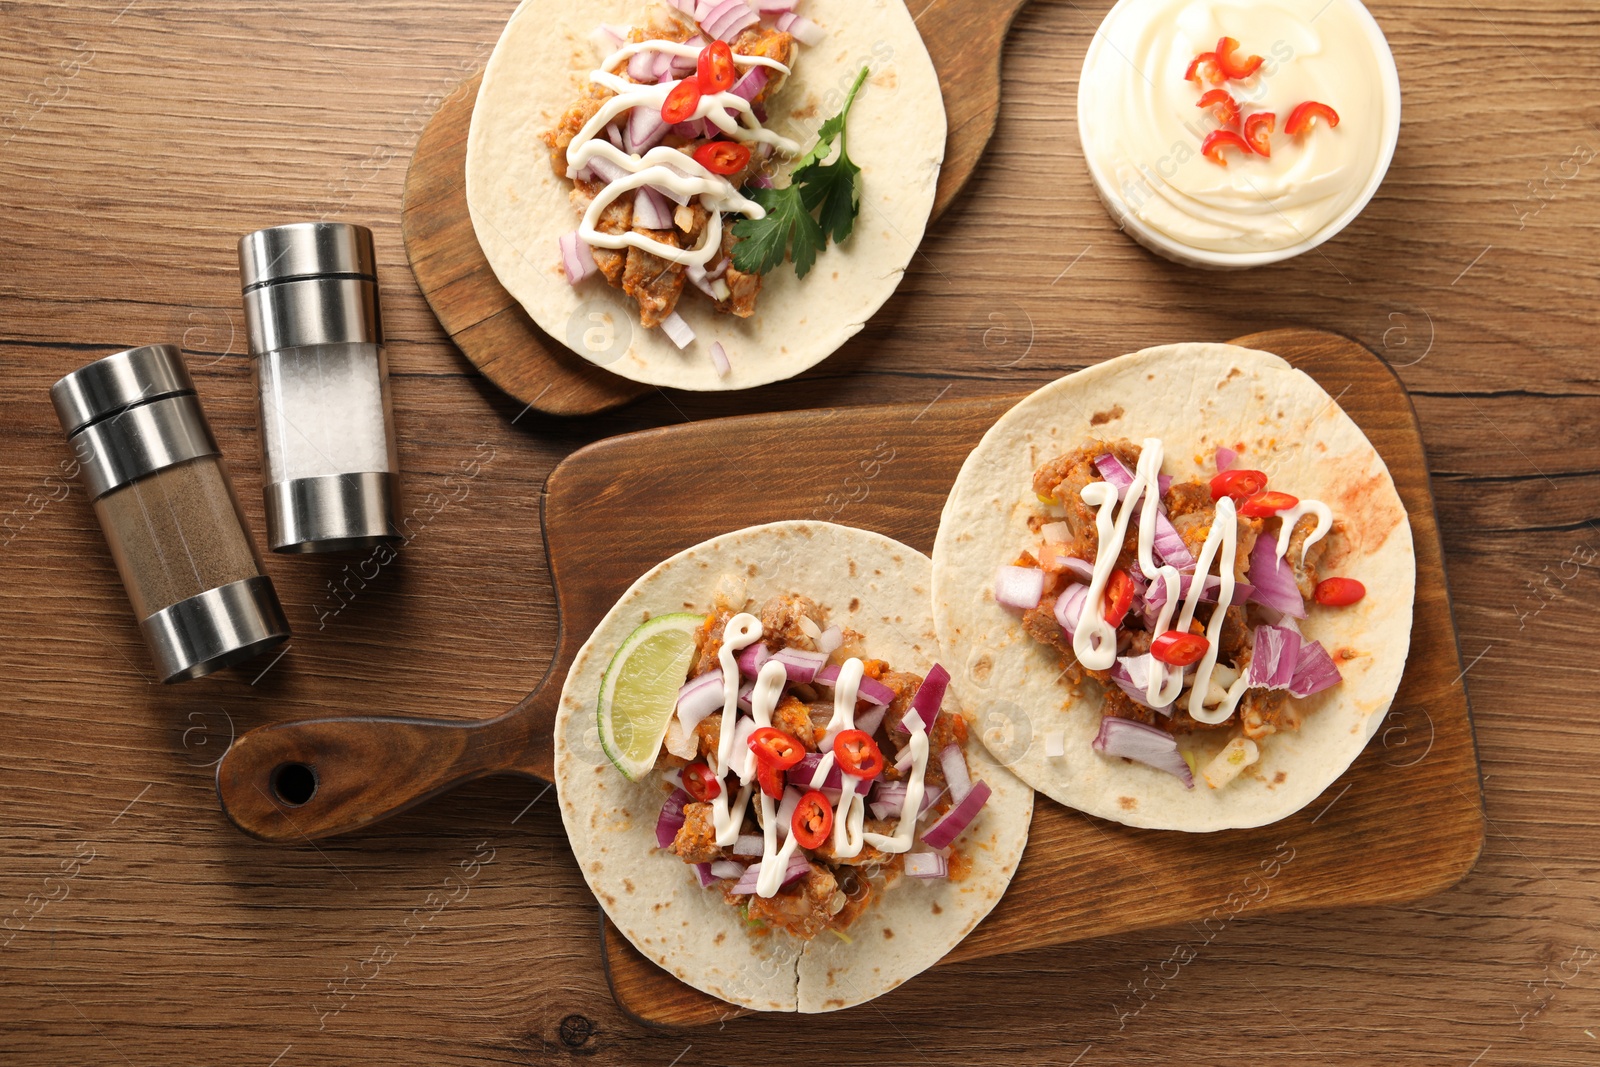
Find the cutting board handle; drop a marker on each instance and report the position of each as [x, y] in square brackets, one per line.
[299, 781]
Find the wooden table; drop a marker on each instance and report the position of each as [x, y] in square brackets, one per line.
[139, 141]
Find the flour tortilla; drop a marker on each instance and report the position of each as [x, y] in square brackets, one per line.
[1195, 397]
[520, 206]
[653, 897]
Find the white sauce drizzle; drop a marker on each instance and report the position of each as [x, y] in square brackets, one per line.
[663, 166]
[911, 807]
[740, 632]
[849, 812]
[1166, 682]
[774, 860]
[1224, 536]
[1290, 516]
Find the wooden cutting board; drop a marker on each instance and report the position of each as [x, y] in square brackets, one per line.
[964, 38]
[1404, 822]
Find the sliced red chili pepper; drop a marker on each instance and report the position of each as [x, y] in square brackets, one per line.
[699, 782]
[1232, 65]
[1119, 596]
[812, 821]
[858, 754]
[1301, 117]
[776, 747]
[723, 157]
[1265, 504]
[1239, 483]
[770, 778]
[681, 102]
[1205, 68]
[1217, 140]
[715, 71]
[1257, 131]
[1339, 592]
[1225, 106]
[1178, 648]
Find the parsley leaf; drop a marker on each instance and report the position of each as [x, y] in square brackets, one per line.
[831, 189]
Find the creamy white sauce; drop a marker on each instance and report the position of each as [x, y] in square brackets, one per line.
[911, 807]
[1142, 130]
[666, 167]
[1290, 516]
[1166, 681]
[774, 860]
[849, 811]
[1222, 545]
[740, 632]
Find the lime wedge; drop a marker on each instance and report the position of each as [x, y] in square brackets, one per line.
[639, 691]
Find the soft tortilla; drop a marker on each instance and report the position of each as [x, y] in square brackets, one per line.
[880, 588]
[1195, 397]
[520, 206]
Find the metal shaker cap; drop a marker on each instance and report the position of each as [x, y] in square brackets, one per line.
[309, 283]
[306, 250]
[117, 382]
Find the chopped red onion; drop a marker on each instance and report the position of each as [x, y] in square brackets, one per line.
[698, 698]
[751, 658]
[1226, 458]
[803, 29]
[670, 821]
[645, 130]
[954, 763]
[614, 134]
[607, 36]
[1314, 671]
[774, 7]
[1157, 594]
[1169, 546]
[1056, 532]
[724, 21]
[693, 129]
[605, 170]
[576, 258]
[801, 665]
[952, 822]
[1069, 607]
[761, 181]
[1273, 580]
[727, 869]
[1132, 675]
[751, 84]
[642, 66]
[703, 872]
[929, 695]
[718, 269]
[702, 8]
[1149, 745]
[906, 761]
[719, 355]
[871, 690]
[1055, 744]
[784, 816]
[650, 210]
[869, 721]
[1018, 587]
[686, 6]
[926, 865]
[741, 746]
[798, 864]
[1273, 659]
[890, 797]
[744, 695]
[830, 641]
[800, 775]
[678, 331]
[749, 845]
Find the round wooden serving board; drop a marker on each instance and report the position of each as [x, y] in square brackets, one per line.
[1404, 822]
[964, 38]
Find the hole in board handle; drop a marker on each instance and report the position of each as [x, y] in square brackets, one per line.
[294, 783]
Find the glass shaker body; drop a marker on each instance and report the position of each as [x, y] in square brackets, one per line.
[168, 511]
[311, 308]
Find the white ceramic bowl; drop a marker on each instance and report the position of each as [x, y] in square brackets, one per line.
[1164, 244]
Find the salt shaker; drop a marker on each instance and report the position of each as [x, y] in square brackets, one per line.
[168, 511]
[316, 339]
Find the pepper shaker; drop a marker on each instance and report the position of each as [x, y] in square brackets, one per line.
[168, 511]
[316, 340]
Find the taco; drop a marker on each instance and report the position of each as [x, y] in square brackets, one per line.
[1181, 583]
[640, 176]
[813, 823]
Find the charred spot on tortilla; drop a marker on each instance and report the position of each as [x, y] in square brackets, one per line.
[1280, 777]
[1100, 418]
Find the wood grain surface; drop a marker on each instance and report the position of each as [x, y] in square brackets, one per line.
[964, 39]
[141, 141]
[707, 478]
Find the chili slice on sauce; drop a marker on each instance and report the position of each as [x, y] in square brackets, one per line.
[1266, 504]
[681, 102]
[699, 783]
[1301, 117]
[858, 754]
[714, 70]
[1178, 648]
[1257, 131]
[1119, 596]
[1213, 145]
[812, 821]
[773, 746]
[723, 157]
[1239, 483]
